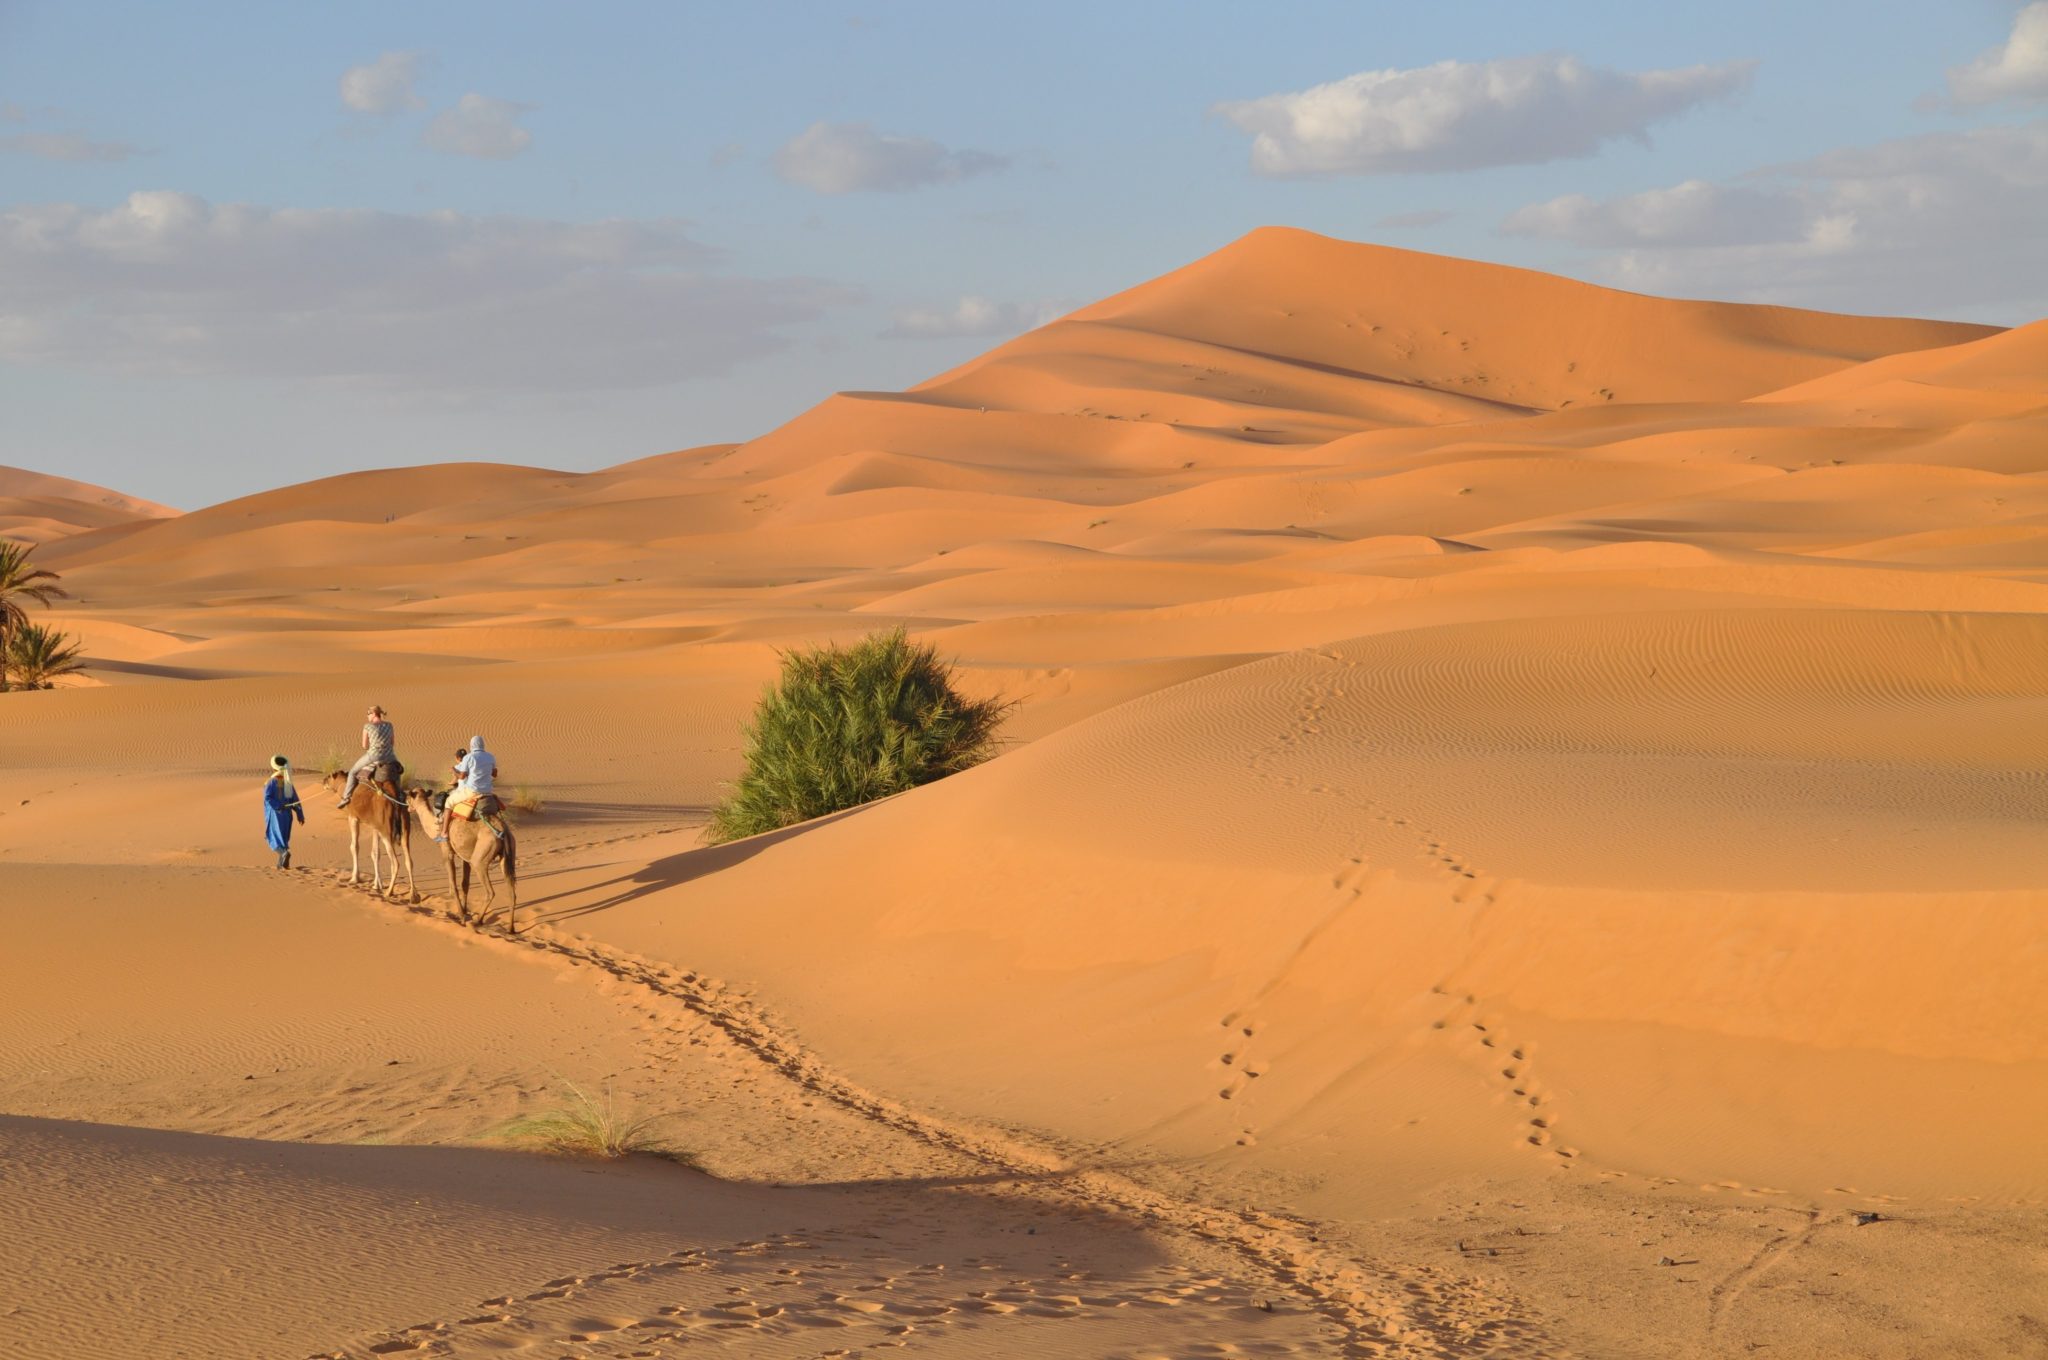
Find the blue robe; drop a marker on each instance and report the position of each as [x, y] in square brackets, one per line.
[278, 810]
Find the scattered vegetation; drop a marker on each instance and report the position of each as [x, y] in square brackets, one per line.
[589, 1127]
[524, 800]
[22, 583]
[38, 657]
[845, 726]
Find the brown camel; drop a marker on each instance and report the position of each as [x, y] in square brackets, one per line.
[472, 845]
[375, 807]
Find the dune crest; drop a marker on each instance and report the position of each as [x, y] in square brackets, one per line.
[1507, 771]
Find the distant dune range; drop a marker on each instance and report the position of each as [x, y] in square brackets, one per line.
[1486, 739]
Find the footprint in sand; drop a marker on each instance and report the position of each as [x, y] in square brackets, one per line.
[1489, 1041]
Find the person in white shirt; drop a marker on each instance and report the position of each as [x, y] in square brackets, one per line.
[477, 773]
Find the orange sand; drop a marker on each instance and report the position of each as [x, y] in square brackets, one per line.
[1515, 782]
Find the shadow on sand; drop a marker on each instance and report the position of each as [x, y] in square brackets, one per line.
[674, 870]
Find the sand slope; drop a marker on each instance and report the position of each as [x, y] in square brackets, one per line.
[36, 507]
[1514, 781]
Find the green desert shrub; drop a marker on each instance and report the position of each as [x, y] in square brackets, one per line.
[847, 725]
[38, 657]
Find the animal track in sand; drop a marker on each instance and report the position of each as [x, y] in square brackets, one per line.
[1383, 1308]
[770, 1296]
[1309, 719]
[1537, 1116]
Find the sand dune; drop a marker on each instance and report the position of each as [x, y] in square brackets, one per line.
[1514, 781]
[37, 508]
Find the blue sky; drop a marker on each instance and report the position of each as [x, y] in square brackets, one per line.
[245, 245]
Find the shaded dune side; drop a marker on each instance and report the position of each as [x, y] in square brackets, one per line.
[1769, 841]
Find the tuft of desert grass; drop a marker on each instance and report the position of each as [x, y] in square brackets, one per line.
[590, 1126]
[526, 800]
[847, 725]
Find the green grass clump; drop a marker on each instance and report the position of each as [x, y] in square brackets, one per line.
[845, 726]
[590, 1127]
[526, 800]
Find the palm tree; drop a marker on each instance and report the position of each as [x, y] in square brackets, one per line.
[38, 656]
[20, 580]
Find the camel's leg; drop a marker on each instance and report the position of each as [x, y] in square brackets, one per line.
[355, 836]
[457, 889]
[483, 868]
[412, 889]
[376, 863]
[512, 890]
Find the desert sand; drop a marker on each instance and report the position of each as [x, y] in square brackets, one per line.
[1523, 836]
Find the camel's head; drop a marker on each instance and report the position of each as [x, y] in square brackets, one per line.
[334, 780]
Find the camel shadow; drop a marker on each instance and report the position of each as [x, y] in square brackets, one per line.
[675, 870]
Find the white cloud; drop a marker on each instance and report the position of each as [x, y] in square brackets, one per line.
[1941, 224]
[1694, 213]
[169, 283]
[843, 158]
[1467, 115]
[971, 317]
[65, 146]
[479, 125]
[384, 86]
[2016, 70]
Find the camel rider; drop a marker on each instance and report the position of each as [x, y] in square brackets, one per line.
[379, 748]
[474, 790]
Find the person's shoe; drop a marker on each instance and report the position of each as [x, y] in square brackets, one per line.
[284, 861]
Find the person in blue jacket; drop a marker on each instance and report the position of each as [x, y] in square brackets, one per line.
[280, 806]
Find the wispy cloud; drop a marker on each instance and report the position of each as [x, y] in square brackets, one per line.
[1936, 224]
[66, 146]
[1468, 115]
[844, 158]
[970, 317]
[167, 282]
[1694, 213]
[480, 126]
[2015, 71]
[384, 86]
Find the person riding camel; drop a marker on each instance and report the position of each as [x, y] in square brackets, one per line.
[379, 748]
[474, 795]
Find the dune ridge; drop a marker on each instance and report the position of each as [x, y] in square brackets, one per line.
[1514, 781]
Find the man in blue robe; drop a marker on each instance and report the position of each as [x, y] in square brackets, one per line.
[280, 806]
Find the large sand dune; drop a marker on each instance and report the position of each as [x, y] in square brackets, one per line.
[1515, 782]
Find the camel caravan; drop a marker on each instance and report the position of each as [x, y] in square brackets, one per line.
[467, 820]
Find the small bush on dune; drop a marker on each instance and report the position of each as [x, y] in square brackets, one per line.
[590, 1127]
[526, 800]
[845, 726]
[38, 657]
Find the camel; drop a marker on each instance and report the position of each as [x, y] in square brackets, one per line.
[472, 845]
[375, 807]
